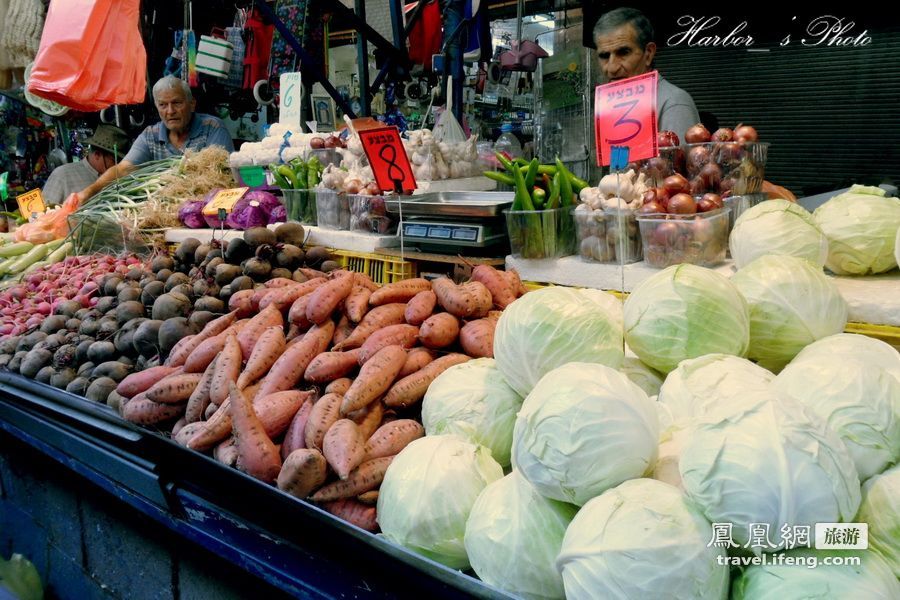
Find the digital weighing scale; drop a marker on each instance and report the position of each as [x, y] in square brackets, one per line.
[448, 221]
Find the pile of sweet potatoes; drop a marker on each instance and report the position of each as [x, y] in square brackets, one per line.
[315, 386]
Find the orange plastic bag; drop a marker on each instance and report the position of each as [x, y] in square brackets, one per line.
[90, 55]
[49, 226]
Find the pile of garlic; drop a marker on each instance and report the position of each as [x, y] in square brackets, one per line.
[616, 191]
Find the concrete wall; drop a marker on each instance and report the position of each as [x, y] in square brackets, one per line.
[88, 545]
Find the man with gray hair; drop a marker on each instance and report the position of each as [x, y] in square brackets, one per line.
[179, 129]
[625, 48]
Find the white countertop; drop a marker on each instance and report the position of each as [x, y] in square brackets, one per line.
[353, 241]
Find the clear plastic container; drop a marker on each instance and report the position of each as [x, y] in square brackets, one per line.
[738, 168]
[508, 142]
[332, 209]
[597, 233]
[300, 205]
[700, 239]
[368, 214]
[541, 233]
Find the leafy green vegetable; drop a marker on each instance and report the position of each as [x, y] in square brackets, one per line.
[880, 508]
[780, 228]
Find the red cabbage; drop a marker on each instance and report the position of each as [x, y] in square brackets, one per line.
[248, 213]
[191, 214]
[212, 220]
[267, 200]
[278, 214]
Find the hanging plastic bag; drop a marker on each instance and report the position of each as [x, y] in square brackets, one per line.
[52, 225]
[447, 129]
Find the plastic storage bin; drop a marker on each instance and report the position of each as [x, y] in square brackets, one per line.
[700, 239]
[300, 205]
[541, 233]
[738, 204]
[598, 238]
[720, 167]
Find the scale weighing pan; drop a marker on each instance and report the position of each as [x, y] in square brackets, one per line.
[452, 204]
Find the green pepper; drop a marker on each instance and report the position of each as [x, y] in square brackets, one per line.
[280, 181]
[288, 173]
[566, 195]
[500, 177]
[540, 196]
[531, 173]
[507, 164]
[520, 161]
[577, 183]
[553, 200]
[522, 199]
[312, 178]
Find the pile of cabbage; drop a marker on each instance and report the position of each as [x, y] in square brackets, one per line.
[568, 467]
[255, 209]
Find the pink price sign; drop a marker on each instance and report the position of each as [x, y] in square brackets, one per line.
[625, 116]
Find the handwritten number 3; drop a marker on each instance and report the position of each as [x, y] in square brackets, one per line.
[622, 120]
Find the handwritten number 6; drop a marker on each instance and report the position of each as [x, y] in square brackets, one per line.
[622, 120]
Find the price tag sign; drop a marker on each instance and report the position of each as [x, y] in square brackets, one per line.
[625, 116]
[387, 156]
[31, 204]
[291, 94]
[224, 200]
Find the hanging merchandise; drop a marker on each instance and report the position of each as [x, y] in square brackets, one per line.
[295, 14]
[91, 55]
[477, 38]
[20, 30]
[258, 50]
[214, 54]
[5, 62]
[524, 53]
[235, 37]
[190, 49]
[425, 35]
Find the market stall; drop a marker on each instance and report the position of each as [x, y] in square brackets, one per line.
[465, 352]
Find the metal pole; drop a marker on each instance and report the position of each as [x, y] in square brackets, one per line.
[453, 16]
[362, 59]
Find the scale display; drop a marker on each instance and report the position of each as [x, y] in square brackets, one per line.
[458, 234]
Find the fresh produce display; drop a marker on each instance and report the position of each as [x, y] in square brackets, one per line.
[780, 228]
[256, 208]
[361, 212]
[21, 258]
[861, 226]
[880, 508]
[298, 174]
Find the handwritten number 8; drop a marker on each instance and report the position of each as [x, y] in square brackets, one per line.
[622, 120]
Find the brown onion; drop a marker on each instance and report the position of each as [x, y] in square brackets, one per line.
[697, 134]
[698, 156]
[682, 204]
[723, 134]
[665, 233]
[714, 198]
[353, 186]
[705, 205]
[332, 142]
[745, 133]
[676, 183]
[649, 196]
[650, 208]
[373, 189]
[316, 143]
[711, 175]
[697, 186]
[667, 138]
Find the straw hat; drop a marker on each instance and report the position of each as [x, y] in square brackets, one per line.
[110, 138]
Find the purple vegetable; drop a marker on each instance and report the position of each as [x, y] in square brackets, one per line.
[212, 220]
[278, 215]
[191, 214]
[248, 213]
[268, 201]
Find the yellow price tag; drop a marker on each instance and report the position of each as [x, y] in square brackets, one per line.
[225, 199]
[31, 203]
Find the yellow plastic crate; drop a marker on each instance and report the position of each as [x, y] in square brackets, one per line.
[382, 269]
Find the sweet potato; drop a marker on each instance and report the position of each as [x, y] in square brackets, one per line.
[295, 436]
[354, 512]
[252, 390]
[226, 452]
[329, 366]
[303, 472]
[363, 478]
[363, 280]
[181, 343]
[325, 412]
[241, 303]
[276, 411]
[279, 282]
[297, 313]
[412, 388]
[136, 383]
[393, 437]
[204, 353]
[415, 360]
[180, 353]
[185, 433]
[257, 455]
[420, 307]
[216, 428]
[339, 386]
[375, 319]
[178, 426]
[439, 331]
[477, 337]
[392, 335]
[374, 379]
[293, 333]
[512, 276]
[284, 297]
[249, 335]
[174, 389]
[312, 273]
[211, 410]
[369, 498]
[357, 303]
[290, 366]
[343, 447]
[342, 330]
[465, 301]
[499, 285]
[228, 369]
[368, 419]
[142, 411]
[399, 291]
[266, 351]
[199, 399]
[325, 299]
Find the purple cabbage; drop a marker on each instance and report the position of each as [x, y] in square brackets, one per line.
[278, 215]
[248, 213]
[212, 220]
[191, 214]
[267, 200]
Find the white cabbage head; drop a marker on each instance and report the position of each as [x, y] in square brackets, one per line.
[713, 387]
[861, 226]
[775, 465]
[872, 579]
[880, 508]
[554, 326]
[792, 304]
[473, 401]
[777, 227]
[584, 429]
[513, 536]
[862, 347]
[642, 539]
[646, 378]
[858, 400]
[428, 492]
[685, 311]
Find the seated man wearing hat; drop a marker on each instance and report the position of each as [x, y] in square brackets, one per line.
[108, 145]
